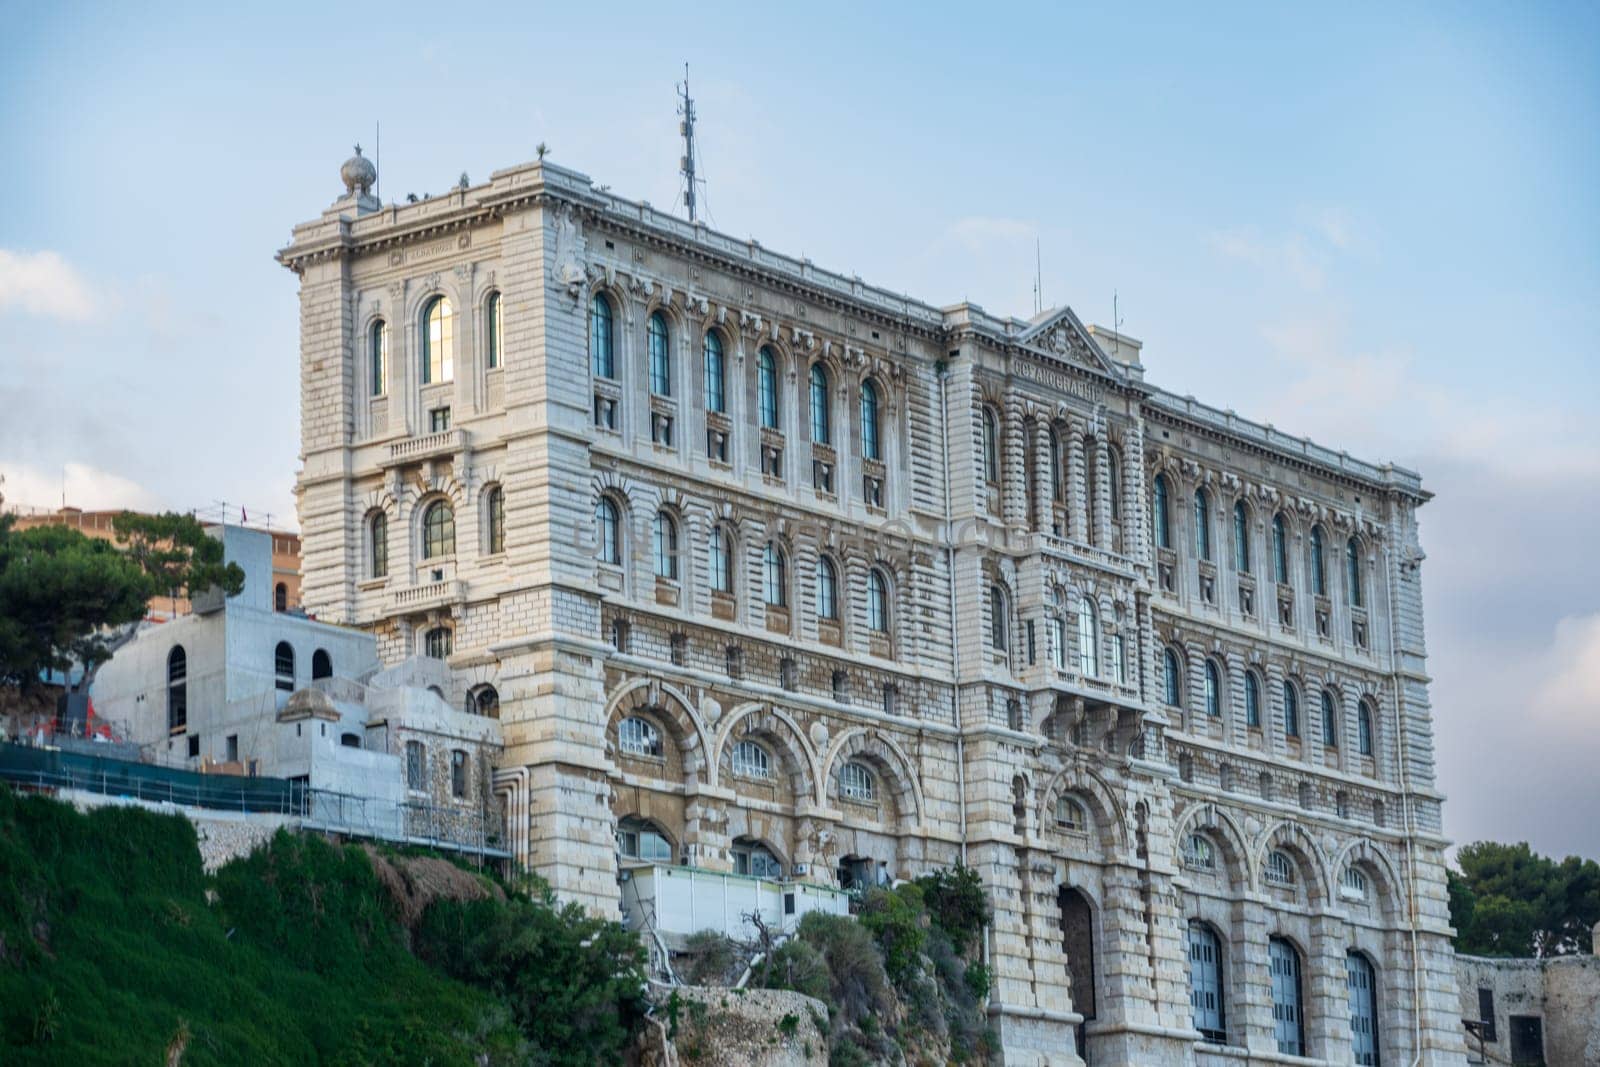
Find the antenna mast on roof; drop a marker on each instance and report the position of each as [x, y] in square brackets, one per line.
[686, 128]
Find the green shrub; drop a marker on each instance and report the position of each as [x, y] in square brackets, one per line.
[956, 901]
[797, 965]
[895, 919]
[711, 959]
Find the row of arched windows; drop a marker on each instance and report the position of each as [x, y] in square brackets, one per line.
[639, 737]
[1242, 556]
[436, 342]
[1213, 702]
[438, 531]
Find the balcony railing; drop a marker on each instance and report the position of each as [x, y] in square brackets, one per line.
[431, 595]
[425, 446]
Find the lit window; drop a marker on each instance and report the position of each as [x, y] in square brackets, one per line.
[720, 558]
[877, 602]
[1330, 721]
[1163, 513]
[438, 342]
[1202, 524]
[378, 540]
[715, 377]
[1280, 551]
[750, 760]
[437, 642]
[639, 839]
[602, 354]
[1213, 689]
[776, 585]
[609, 521]
[666, 545]
[497, 521]
[660, 356]
[820, 416]
[1291, 709]
[827, 589]
[767, 388]
[378, 357]
[438, 530]
[1241, 538]
[1069, 814]
[491, 315]
[637, 737]
[1279, 869]
[869, 421]
[1252, 699]
[856, 782]
[1171, 678]
[1088, 641]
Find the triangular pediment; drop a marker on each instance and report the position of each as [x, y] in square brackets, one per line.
[1058, 332]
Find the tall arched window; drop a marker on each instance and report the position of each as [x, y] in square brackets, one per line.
[827, 589]
[1114, 482]
[378, 357]
[821, 420]
[378, 543]
[1205, 983]
[321, 664]
[177, 689]
[997, 618]
[1088, 640]
[660, 355]
[438, 341]
[991, 446]
[1163, 513]
[1241, 538]
[877, 602]
[767, 388]
[1319, 576]
[776, 586]
[1252, 699]
[1202, 524]
[1330, 721]
[665, 535]
[1352, 571]
[1291, 709]
[1362, 982]
[280, 597]
[1171, 678]
[716, 377]
[869, 421]
[1288, 1025]
[438, 530]
[1213, 689]
[608, 520]
[1058, 488]
[491, 317]
[1280, 551]
[1364, 727]
[495, 509]
[720, 557]
[602, 350]
[283, 666]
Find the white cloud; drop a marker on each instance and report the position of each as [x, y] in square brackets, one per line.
[1290, 256]
[42, 283]
[85, 487]
[1569, 697]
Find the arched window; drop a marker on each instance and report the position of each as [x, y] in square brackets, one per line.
[491, 317]
[660, 355]
[438, 643]
[1319, 576]
[378, 357]
[496, 509]
[378, 542]
[1280, 551]
[438, 341]
[637, 737]
[856, 782]
[752, 858]
[869, 422]
[1163, 513]
[997, 618]
[608, 520]
[1362, 981]
[715, 375]
[1330, 721]
[1088, 640]
[776, 586]
[1058, 488]
[1279, 869]
[720, 557]
[821, 420]
[1364, 727]
[641, 840]
[877, 602]
[283, 666]
[991, 446]
[1287, 1021]
[666, 545]
[1241, 538]
[438, 530]
[1202, 524]
[1069, 814]
[827, 589]
[280, 597]
[1205, 983]
[750, 760]
[177, 689]
[1352, 571]
[602, 350]
[767, 388]
[485, 701]
[1171, 678]
[321, 664]
[1114, 482]
[1213, 689]
[1198, 852]
[1291, 709]
[1252, 699]
[1058, 642]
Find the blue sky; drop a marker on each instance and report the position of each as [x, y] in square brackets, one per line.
[1380, 230]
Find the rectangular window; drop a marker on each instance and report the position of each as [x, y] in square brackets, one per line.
[233, 748]
[458, 773]
[1486, 1013]
[194, 745]
[438, 420]
[416, 766]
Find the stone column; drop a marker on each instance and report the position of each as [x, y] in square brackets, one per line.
[1077, 489]
[1013, 478]
[1043, 491]
[1102, 492]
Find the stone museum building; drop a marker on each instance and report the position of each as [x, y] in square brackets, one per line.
[774, 573]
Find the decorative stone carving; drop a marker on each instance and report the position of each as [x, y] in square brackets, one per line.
[569, 268]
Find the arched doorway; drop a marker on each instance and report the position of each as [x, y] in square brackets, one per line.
[1077, 940]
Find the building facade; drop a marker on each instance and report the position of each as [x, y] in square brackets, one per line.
[776, 570]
